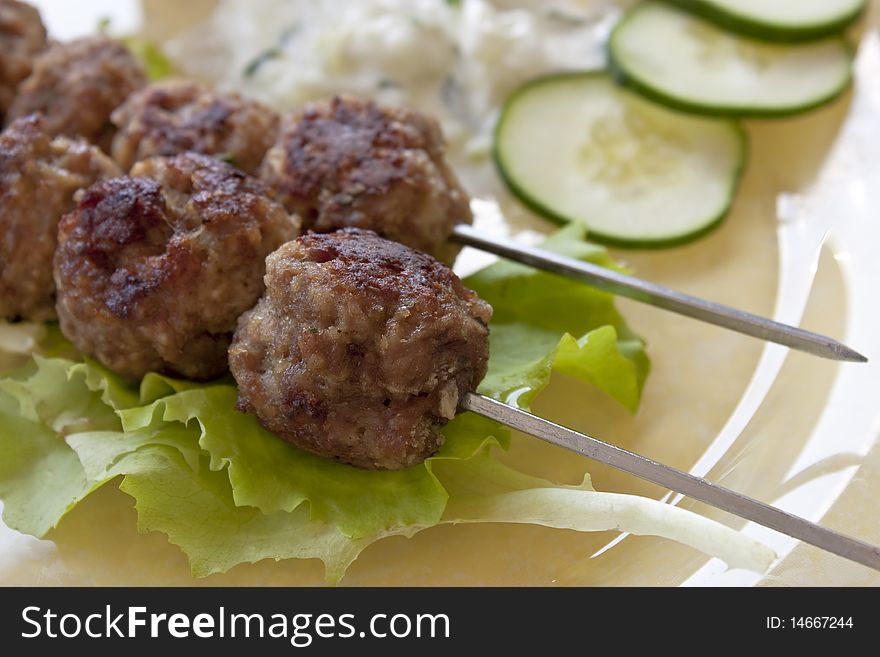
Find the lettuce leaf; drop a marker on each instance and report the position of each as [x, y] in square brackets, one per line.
[271, 475]
[40, 477]
[155, 62]
[544, 322]
[195, 509]
[226, 491]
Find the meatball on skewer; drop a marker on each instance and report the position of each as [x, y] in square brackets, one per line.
[77, 85]
[22, 38]
[38, 178]
[360, 349]
[153, 270]
[172, 117]
[351, 163]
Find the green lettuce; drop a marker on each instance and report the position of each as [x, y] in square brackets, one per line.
[544, 322]
[270, 475]
[155, 62]
[226, 491]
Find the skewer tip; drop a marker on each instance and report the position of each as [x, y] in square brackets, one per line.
[850, 355]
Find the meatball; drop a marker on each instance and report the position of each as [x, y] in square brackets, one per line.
[78, 84]
[154, 269]
[176, 116]
[349, 162]
[22, 36]
[360, 349]
[38, 178]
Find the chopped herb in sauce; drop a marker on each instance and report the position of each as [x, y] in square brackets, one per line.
[274, 52]
[251, 69]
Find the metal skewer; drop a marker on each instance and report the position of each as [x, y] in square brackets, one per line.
[676, 480]
[659, 296]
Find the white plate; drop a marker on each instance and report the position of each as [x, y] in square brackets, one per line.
[786, 428]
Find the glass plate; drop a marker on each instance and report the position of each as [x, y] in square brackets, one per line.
[786, 428]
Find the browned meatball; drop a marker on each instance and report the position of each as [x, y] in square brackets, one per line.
[153, 270]
[360, 349]
[22, 36]
[171, 117]
[78, 84]
[349, 162]
[38, 178]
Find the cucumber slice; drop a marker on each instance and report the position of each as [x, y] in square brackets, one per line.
[577, 147]
[688, 63]
[778, 20]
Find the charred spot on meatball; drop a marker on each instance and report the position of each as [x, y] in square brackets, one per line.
[360, 349]
[352, 163]
[38, 178]
[22, 37]
[77, 85]
[153, 269]
[172, 117]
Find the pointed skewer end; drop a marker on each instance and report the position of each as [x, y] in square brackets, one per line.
[844, 353]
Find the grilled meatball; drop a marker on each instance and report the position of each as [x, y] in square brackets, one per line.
[154, 269]
[350, 162]
[78, 84]
[171, 117]
[22, 36]
[38, 178]
[360, 349]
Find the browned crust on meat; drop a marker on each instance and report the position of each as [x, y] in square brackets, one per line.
[352, 163]
[154, 269]
[38, 178]
[360, 349]
[175, 116]
[353, 144]
[77, 85]
[22, 37]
